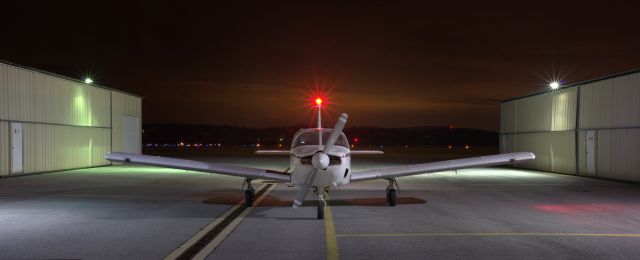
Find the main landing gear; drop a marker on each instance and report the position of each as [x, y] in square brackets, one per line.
[249, 192]
[392, 196]
[321, 202]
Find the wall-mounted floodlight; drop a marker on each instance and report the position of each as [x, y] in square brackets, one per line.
[88, 81]
[554, 85]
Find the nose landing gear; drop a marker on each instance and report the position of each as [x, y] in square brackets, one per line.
[249, 193]
[321, 200]
[391, 192]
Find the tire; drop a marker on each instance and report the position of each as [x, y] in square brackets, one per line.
[321, 205]
[392, 197]
[248, 198]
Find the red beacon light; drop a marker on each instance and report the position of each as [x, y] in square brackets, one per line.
[319, 101]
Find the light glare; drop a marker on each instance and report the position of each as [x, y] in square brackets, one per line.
[318, 101]
[554, 85]
[88, 81]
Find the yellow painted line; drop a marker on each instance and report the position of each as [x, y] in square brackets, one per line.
[330, 231]
[208, 249]
[486, 234]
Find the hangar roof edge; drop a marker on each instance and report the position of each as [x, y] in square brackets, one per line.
[66, 77]
[610, 76]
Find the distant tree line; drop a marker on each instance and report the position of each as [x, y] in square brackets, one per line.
[234, 135]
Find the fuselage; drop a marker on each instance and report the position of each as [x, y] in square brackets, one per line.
[307, 142]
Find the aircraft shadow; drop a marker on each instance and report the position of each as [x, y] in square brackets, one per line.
[232, 198]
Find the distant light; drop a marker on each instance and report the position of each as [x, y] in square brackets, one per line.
[319, 101]
[466, 147]
[554, 85]
[450, 146]
[88, 81]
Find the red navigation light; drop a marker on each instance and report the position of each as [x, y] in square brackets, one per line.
[319, 101]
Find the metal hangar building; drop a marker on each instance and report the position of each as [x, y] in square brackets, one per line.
[50, 122]
[590, 128]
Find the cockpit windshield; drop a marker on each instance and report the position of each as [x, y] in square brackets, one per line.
[311, 137]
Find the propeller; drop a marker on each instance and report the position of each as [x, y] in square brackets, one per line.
[320, 160]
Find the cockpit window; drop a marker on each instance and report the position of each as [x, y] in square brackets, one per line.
[311, 137]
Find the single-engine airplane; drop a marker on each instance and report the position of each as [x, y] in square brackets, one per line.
[320, 159]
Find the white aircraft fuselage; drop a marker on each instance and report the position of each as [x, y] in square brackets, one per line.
[306, 143]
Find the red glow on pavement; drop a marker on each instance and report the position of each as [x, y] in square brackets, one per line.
[582, 208]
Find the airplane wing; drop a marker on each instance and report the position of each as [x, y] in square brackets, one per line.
[414, 169]
[365, 152]
[247, 172]
[273, 152]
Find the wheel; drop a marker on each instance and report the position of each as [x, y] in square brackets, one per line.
[248, 198]
[392, 197]
[321, 205]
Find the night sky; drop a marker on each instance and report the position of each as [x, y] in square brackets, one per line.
[387, 64]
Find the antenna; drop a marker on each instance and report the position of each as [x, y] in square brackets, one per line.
[319, 103]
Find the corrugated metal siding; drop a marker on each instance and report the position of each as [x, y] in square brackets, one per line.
[13, 87]
[55, 147]
[506, 143]
[29, 96]
[554, 111]
[67, 124]
[4, 148]
[611, 103]
[555, 151]
[122, 104]
[610, 107]
[507, 117]
[4, 88]
[582, 165]
[618, 154]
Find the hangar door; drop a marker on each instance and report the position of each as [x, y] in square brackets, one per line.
[590, 152]
[130, 134]
[16, 147]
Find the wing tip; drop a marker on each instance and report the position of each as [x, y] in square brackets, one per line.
[529, 156]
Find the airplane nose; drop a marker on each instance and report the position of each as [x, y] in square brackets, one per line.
[320, 161]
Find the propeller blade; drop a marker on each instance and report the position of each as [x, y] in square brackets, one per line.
[335, 133]
[304, 189]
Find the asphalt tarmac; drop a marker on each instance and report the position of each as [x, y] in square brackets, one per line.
[130, 212]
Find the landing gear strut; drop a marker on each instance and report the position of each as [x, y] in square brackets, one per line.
[249, 192]
[391, 192]
[321, 202]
